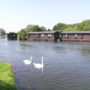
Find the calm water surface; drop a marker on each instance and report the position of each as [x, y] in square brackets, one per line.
[67, 65]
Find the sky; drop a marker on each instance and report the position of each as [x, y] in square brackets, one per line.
[17, 14]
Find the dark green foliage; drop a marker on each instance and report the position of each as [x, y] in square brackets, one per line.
[49, 30]
[60, 26]
[32, 28]
[2, 33]
[22, 34]
[56, 36]
[36, 28]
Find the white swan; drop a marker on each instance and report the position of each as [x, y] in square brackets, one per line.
[38, 65]
[27, 62]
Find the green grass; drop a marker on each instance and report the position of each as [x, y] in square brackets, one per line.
[6, 77]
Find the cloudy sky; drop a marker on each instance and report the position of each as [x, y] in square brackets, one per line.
[17, 14]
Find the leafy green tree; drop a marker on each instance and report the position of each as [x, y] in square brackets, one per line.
[83, 26]
[59, 26]
[43, 28]
[49, 29]
[29, 28]
[36, 28]
[2, 32]
[22, 34]
[86, 22]
[79, 27]
[69, 29]
[86, 28]
[86, 25]
[33, 28]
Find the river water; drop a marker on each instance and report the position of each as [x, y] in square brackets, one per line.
[66, 65]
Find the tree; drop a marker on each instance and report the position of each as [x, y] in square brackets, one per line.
[83, 26]
[59, 26]
[2, 32]
[49, 29]
[30, 28]
[22, 34]
[86, 25]
[34, 28]
[43, 28]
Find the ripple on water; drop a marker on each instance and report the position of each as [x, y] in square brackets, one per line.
[67, 65]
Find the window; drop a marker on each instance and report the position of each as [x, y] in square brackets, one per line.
[49, 35]
[42, 35]
[66, 35]
[75, 36]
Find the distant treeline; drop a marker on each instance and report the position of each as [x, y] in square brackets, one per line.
[30, 28]
[83, 26]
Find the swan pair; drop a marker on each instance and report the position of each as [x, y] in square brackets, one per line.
[36, 65]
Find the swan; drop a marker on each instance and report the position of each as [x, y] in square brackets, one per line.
[38, 65]
[27, 62]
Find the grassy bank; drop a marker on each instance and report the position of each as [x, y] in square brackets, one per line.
[6, 77]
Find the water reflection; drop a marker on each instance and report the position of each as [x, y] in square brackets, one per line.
[23, 45]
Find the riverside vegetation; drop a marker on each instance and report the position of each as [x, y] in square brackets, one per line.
[61, 27]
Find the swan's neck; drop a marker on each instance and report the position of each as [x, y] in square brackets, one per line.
[42, 60]
[31, 59]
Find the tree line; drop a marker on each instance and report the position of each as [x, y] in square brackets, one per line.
[30, 28]
[61, 27]
[83, 26]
